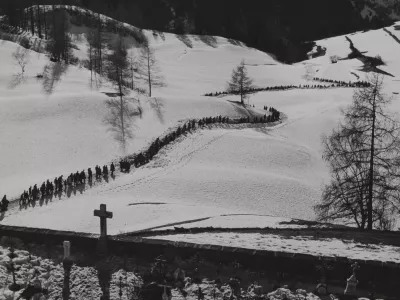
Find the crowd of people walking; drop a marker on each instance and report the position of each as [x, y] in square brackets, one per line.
[328, 84]
[79, 179]
[339, 83]
[59, 185]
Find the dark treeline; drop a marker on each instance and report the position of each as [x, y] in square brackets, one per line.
[77, 181]
[43, 20]
[282, 27]
[333, 84]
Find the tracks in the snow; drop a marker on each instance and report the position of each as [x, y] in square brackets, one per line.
[392, 35]
[176, 165]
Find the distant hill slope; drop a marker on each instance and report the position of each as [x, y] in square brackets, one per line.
[282, 27]
[279, 26]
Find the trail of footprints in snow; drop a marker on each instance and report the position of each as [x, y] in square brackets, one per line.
[180, 163]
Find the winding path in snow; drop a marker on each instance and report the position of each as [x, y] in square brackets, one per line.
[190, 150]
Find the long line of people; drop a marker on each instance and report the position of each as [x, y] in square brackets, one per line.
[144, 157]
[340, 83]
[78, 180]
[60, 185]
[331, 84]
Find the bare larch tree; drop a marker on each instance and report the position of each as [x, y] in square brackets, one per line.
[364, 159]
[149, 68]
[121, 111]
[240, 82]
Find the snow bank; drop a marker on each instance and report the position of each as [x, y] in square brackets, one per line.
[301, 244]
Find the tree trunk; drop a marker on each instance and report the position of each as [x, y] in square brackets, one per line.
[22, 19]
[32, 22]
[148, 70]
[39, 23]
[241, 92]
[91, 63]
[54, 22]
[131, 73]
[25, 25]
[371, 164]
[122, 103]
[99, 45]
[45, 22]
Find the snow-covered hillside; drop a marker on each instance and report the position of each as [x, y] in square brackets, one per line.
[222, 171]
[46, 136]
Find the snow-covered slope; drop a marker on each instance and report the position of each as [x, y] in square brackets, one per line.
[44, 136]
[222, 171]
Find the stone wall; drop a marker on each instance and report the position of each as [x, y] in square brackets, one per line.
[296, 267]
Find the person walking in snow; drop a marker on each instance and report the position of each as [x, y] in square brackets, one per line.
[83, 177]
[105, 170]
[90, 175]
[4, 203]
[35, 192]
[69, 180]
[112, 169]
[43, 189]
[77, 178]
[60, 183]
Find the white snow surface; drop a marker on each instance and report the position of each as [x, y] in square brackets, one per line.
[259, 171]
[300, 244]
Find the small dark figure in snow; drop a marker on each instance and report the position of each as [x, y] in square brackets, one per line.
[55, 184]
[69, 180]
[43, 189]
[4, 204]
[90, 174]
[98, 172]
[35, 192]
[112, 169]
[105, 171]
[48, 187]
[60, 183]
[83, 177]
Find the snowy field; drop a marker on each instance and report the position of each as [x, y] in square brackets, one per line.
[260, 171]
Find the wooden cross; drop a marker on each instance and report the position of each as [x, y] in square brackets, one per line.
[104, 215]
